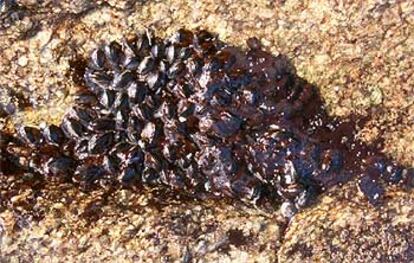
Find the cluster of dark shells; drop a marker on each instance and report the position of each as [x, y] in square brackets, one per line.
[194, 115]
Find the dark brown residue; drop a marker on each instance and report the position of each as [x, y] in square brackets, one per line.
[77, 69]
[237, 238]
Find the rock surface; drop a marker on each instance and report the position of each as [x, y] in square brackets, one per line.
[359, 53]
[340, 229]
[60, 223]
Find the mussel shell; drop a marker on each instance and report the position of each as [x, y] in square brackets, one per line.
[82, 114]
[122, 80]
[143, 42]
[146, 65]
[30, 135]
[137, 92]
[175, 70]
[100, 143]
[97, 60]
[121, 102]
[157, 50]
[114, 54]
[121, 119]
[72, 128]
[129, 175]
[102, 125]
[85, 99]
[156, 80]
[171, 53]
[111, 163]
[182, 38]
[87, 174]
[54, 135]
[62, 166]
[97, 80]
[227, 125]
[106, 98]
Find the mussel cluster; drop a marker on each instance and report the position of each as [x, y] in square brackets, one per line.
[192, 114]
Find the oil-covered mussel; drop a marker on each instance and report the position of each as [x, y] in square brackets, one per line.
[97, 60]
[100, 143]
[97, 80]
[193, 114]
[54, 135]
[122, 80]
[146, 65]
[72, 128]
[102, 125]
[87, 174]
[114, 54]
[60, 168]
[30, 135]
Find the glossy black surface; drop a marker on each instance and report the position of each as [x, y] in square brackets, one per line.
[197, 116]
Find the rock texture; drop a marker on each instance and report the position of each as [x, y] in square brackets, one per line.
[49, 225]
[339, 229]
[359, 53]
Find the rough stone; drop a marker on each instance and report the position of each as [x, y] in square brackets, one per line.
[359, 53]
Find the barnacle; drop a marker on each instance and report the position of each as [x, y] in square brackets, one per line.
[194, 115]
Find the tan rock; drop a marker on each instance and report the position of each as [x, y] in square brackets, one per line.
[359, 53]
[341, 229]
